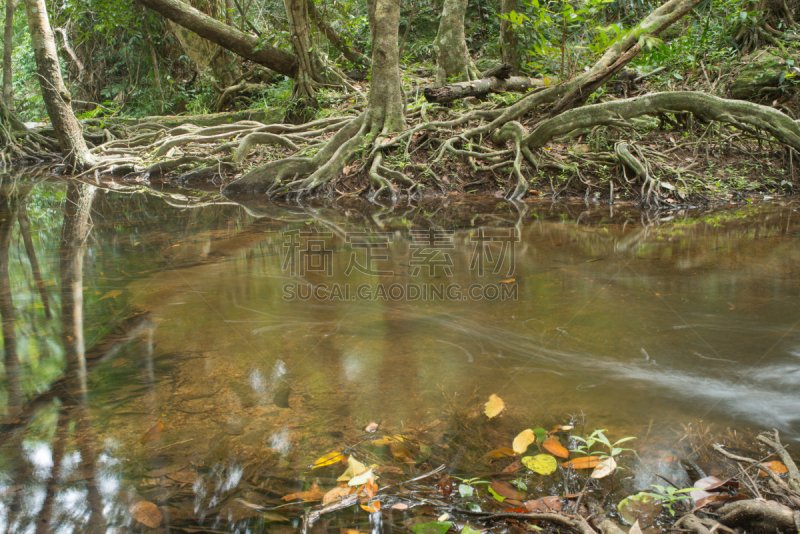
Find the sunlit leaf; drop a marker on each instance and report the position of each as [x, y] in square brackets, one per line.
[361, 479]
[554, 447]
[494, 406]
[775, 466]
[469, 529]
[586, 462]
[497, 497]
[354, 468]
[604, 468]
[337, 493]
[544, 464]
[329, 459]
[146, 513]
[521, 442]
[372, 507]
[432, 527]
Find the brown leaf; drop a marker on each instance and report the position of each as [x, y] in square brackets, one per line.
[586, 462]
[635, 529]
[340, 491]
[154, 433]
[513, 467]
[388, 470]
[184, 477]
[313, 494]
[544, 504]
[505, 489]
[502, 452]
[494, 406]
[146, 513]
[554, 447]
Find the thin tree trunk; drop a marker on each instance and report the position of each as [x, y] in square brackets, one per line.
[385, 91]
[54, 92]
[338, 42]
[454, 63]
[238, 42]
[25, 231]
[154, 60]
[300, 32]
[8, 48]
[508, 37]
[8, 210]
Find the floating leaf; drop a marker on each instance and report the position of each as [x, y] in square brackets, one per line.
[586, 462]
[373, 507]
[354, 468]
[541, 434]
[604, 468]
[494, 406]
[554, 447]
[505, 489]
[329, 459]
[775, 466]
[502, 452]
[400, 506]
[643, 507]
[274, 516]
[154, 432]
[521, 442]
[544, 504]
[544, 464]
[372, 427]
[497, 497]
[112, 295]
[432, 527]
[337, 493]
[363, 478]
[146, 513]
[313, 494]
[469, 529]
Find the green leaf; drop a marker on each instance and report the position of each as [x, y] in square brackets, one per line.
[544, 464]
[541, 434]
[424, 453]
[434, 527]
[498, 498]
[465, 491]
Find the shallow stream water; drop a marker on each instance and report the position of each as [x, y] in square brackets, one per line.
[199, 354]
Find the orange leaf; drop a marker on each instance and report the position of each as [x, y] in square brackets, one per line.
[154, 433]
[494, 406]
[313, 494]
[340, 491]
[544, 504]
[587, 462]
[776, 467]
[554, 447]
[502, 452]
[372, 507]
[146, 513]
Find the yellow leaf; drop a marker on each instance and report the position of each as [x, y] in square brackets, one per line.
[146, 513]
[112, 294]
[354, 468]
[521, 442]
[494, 406]
[153, 433]
[544, 464]
[546, 81]
[554, 447]
[329, 459]
[502, 452]
[372, 507]
[363, 478]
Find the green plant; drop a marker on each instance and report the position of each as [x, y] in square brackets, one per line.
[669, 495]
[598, 437]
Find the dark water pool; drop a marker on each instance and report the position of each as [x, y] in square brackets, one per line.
[199, 354]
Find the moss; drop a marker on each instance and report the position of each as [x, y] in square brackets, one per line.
[762, 70]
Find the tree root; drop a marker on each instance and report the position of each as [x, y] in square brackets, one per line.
[513, 131]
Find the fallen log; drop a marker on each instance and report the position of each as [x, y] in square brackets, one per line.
[482, 87]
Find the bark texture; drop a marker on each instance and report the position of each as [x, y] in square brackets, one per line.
[206, 55]
[8, 48]
[508, 37]
[226, 36]
[482, 87]
[454, 63]
[54, 92]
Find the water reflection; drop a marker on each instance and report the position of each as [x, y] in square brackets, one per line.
[151, 355]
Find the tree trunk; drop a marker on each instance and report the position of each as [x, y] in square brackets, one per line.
[508, 37]
[243, 44]
[54, 92]
[205, 54]
[338, 42]
[454, 63]
[386, 105]
[8, 48]
[300, 32]
[482, 87]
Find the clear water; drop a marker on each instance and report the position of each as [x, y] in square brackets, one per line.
[186, 364]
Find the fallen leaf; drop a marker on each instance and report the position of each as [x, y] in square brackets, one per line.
[523, 440]
[313, 494]
[354, 468]
[554, 447]
[372, 508]
[700, 498]
[604, 468]
[544, 464]
[400, 506]
[444, 517]
[361, 479]
[370, 488]
[251, 505]
[494, 406]
[372, 427]
[329, 459]
[154, 432]
[388, 470]
[337, 493]
[541, 434]
[508, 281]
[642, 507]
[544, 504]
[635, 529]
[274, 516]
[502, 452]
[505, 489]
[513, 467]
[112, 294]
[432, 527]
[775, 466]
[586, 462]
[146, 513]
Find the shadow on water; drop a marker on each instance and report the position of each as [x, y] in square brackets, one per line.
[197, 354]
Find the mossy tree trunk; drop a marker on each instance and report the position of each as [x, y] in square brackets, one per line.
[454, 63]
[8, 49]
[54, 92]
[300, 32]
[508, 37]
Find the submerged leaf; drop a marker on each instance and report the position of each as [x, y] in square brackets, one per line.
[112, 294]
[586, 462]
[281, 398]
[354, 468]
[337, 493]
[544, 464]
[776, 467]
[154, 432]
[494, 406]
[329, 459]
[146, 513]
[313, 494]
[432, 527]
[554, 447]
[643, 507]
[523, 440]
[544, 504]
[502, 452]
[505, 489]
